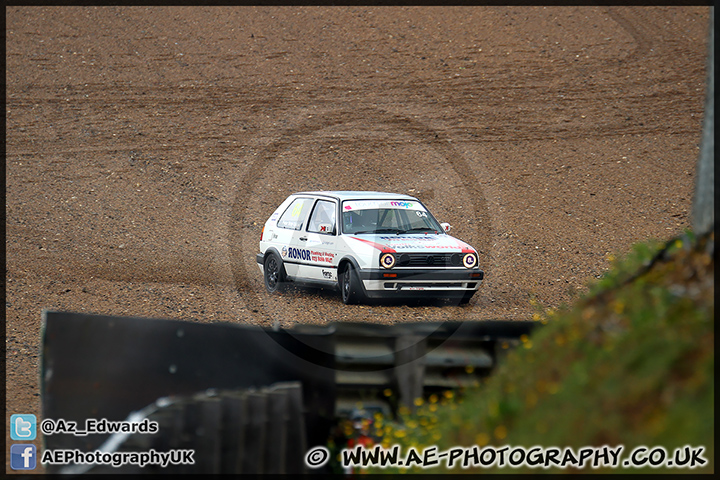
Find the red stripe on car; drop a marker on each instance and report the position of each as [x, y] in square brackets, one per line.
[382, 248]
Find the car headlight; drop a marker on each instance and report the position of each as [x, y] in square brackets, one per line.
[387, 260]
[470, 260]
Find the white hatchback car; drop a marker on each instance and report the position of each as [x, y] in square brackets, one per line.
[367, 245]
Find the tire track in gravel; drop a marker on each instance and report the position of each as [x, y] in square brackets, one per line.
[104, 261]
[643, 39]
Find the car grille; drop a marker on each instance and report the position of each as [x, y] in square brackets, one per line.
[429, 260]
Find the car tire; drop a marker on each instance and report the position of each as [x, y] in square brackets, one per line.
[274, 273]
[466, 297]
[351, 287]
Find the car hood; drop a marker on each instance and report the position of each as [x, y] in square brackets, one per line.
[412, 242]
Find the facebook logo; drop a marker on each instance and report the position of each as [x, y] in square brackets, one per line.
[23, 427]
[23, 457]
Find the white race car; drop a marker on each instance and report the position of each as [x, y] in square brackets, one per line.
[367, 245]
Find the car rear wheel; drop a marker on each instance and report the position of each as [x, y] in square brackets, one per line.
[351, 287]
[274, 273]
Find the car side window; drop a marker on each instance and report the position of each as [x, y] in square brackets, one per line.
[322, 219]
[294, 215]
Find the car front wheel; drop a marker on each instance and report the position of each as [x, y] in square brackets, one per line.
[466, 297]
[351, 286]
[274, 273]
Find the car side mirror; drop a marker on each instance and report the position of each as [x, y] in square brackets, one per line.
[446, 226]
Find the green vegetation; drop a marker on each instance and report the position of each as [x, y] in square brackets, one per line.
[631, 363]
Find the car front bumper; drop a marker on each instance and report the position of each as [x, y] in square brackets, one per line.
[418, 282]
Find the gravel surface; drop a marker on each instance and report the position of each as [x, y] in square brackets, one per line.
[146, 146]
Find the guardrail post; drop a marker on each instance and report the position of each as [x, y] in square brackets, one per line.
[255, 431]
[234, 410]
[410, 368]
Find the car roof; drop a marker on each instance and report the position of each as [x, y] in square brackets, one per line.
[358, 195]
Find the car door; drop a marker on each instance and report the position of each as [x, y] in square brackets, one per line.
[291, 235]
[321, 243]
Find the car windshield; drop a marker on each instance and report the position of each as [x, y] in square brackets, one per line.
[389, 217]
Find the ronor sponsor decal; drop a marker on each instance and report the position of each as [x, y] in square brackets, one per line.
[297, 253]
[321, 257]
[307, 255]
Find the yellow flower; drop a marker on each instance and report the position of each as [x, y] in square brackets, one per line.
[433, 398]
[493, 408]
[500, 432]
[418, 401]
[618, 306]
[482, 439]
